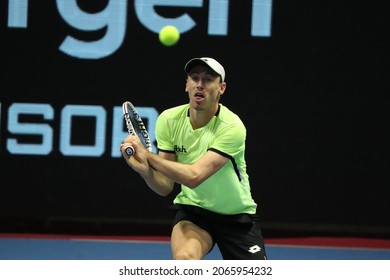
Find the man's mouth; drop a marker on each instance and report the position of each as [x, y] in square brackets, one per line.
[199, 96]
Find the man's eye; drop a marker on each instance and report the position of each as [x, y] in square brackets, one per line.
[205, 79]
[195, 78]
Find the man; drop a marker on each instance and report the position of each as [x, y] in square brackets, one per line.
[202, 147]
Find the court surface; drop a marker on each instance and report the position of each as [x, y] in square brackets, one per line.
[65, 247]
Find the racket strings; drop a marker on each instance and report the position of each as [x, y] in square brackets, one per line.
[129, 125]
[140, 129]
[135, 125]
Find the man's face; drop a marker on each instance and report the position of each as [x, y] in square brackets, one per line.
[204, 87]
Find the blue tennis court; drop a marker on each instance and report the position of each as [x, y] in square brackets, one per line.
[52, 247]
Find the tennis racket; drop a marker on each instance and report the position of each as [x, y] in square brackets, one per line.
[135, 126]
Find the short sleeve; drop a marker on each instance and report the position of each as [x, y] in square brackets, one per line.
[164, 141]
[230, 139]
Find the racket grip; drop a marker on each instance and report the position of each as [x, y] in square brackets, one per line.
[129, 151]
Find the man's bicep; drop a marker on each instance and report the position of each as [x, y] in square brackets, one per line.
[211, 162]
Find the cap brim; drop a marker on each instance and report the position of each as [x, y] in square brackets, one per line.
[194, 62]
[209, 62]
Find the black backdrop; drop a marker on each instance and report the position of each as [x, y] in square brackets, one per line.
[312, 95]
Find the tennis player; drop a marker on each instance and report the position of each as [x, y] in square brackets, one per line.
[201, 146]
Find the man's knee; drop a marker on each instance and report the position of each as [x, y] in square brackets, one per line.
[184, 255]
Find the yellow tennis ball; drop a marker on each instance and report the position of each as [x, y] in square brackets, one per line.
[169, 35]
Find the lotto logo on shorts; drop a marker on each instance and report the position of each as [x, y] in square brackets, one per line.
[254, 249]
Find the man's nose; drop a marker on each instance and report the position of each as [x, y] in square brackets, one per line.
[200, 82]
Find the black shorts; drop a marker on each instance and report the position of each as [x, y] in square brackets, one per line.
[238, 236]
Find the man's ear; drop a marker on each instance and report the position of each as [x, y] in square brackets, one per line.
[186, 87]
[222, 88]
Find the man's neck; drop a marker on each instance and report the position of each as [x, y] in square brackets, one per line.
[199, 118]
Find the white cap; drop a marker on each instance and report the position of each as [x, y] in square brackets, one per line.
[208, 61]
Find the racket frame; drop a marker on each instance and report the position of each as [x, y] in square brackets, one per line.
[133, 120]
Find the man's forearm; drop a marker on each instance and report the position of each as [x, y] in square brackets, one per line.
[158, 182]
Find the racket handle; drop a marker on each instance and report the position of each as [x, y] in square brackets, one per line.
[129, 151]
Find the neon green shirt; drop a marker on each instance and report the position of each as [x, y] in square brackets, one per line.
[228, 190]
